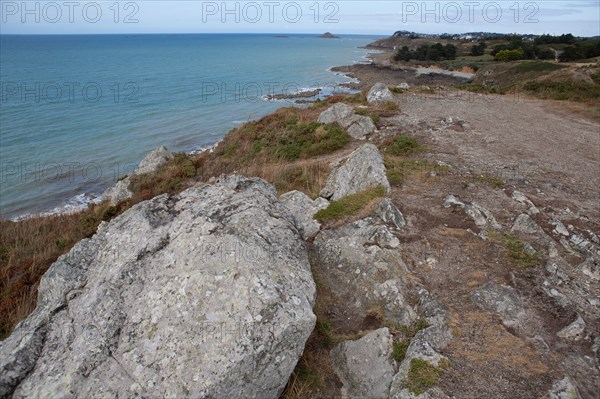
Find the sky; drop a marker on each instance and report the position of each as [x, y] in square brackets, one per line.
[580, 17]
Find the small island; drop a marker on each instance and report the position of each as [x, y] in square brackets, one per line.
[328, 35]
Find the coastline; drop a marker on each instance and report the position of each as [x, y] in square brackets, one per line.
[303, 97]
[372, 67]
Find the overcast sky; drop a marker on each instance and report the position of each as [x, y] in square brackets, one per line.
[580, 17]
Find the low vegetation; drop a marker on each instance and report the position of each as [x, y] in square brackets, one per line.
[350, 205]
[517, 251]
[422, 375]
[401, 169]
[493, 181]
[564, 90]
[366, 112]
[402, 145]
[403, 335]
[546, 80]
[399, 349]
[282, 136]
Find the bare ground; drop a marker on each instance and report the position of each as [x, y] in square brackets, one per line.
[553, 157]
[494, 145]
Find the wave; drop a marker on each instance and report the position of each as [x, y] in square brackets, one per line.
[75, 204]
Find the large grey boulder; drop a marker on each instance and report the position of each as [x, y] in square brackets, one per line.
[380, 93]
[304, 210]
[359, 265]
[337, 113]
[151, 162]
[358, 126]
[365, 366]
[205, 294]
[363, 169]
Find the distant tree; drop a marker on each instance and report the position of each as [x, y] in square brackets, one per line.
[478, 49]
[450, 51]
[562, 39]
[546, 54]
[498, 48]
[425, 52]
[403, 54]
[567, 39]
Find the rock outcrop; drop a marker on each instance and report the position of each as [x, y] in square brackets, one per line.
[151, 162]
[337, 113]
[363, 169]
[480, 215]
[380, 93]
[524, 224]
[365, 366]
[204, 294]
[502, 300]
[424, 346]
[362, 269]
[389, 213]
[358, 126]
[304, 210]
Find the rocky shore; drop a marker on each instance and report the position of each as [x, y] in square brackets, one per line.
[380, 69]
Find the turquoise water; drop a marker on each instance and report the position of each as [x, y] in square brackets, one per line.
[78, 112]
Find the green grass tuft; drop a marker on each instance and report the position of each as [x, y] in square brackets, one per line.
[399, 349]
[365, 112]
[350, 205]
[421, 376]
[403, 145]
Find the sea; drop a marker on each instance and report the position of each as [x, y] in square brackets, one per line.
[77, 112]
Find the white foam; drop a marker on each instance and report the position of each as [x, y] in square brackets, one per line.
[75, 204]
[210, 148]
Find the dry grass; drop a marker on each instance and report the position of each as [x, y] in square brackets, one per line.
[29, 247]
[483, 342]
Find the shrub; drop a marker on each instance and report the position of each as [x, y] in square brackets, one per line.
[365, 112]
[510, 55]
[403, 145]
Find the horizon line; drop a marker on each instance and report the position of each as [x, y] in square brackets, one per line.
[269, 33]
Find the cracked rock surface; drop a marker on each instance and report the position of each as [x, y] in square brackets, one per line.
[204, 294]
